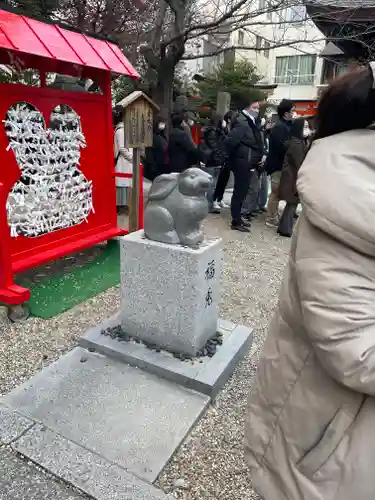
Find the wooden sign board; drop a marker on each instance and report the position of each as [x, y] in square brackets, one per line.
[138, 120]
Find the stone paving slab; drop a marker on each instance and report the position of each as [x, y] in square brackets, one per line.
[206, 375]
[12, 425]
[129, 417]
[20, 480]
[83, 469]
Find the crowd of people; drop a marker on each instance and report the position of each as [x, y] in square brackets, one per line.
[255, 149]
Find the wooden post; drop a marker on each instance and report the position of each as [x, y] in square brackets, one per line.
[136, 186]
[138, 130]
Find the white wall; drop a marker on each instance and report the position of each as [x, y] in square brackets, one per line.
[312, 42]
[256, 57]
[306, 38]
[289, 91]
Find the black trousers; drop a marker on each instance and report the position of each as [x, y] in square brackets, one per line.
[287, 219]
[222, 183]
[242, 175]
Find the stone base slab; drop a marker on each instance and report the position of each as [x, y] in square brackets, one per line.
[205, 375]
[128, 417]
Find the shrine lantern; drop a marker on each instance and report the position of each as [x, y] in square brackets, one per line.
[57, 175]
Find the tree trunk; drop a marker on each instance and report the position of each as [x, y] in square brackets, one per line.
[164, 88]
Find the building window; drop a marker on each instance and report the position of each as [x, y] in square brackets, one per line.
[295, 70]
[332, 70]
[296, 14]
[241, 38]
[258, 42]
[266, 48]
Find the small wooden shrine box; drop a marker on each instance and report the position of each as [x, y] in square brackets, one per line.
[138, 119]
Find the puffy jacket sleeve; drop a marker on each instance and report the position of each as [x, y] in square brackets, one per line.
[336, 288]
[186, 143]
[211, 139]
[234, 138]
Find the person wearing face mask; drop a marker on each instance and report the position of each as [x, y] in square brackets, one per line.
[123, 161]
[213, 151]
[255, 196]
[295, 154]
[245, 150]
[156, 158]
[224, 174]
[182, 152]
[278, 141]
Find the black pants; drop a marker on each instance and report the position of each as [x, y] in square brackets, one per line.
[222, 183]
[242, 176]
[287, 219]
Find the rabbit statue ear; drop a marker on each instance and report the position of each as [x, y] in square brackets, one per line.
[162, 186]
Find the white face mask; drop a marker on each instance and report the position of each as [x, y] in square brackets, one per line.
[161, 126]
[190, 123]
[254, 112]
[262, 122]
[224, 124]
[306, 132]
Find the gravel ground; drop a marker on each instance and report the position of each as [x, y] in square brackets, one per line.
[210, 465]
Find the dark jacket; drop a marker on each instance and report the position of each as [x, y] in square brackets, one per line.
[156, 157]
[213, 146]
[182, 152]
[244, 143]
[295, 154]
[278, 142]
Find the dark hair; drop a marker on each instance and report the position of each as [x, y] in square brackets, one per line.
[177, 119]
[117, 115]
[347, 104]
[296, 129]
[228, 117]
[215, 119]
[285, 106]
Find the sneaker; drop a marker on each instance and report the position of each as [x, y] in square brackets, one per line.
[215, 208]
[240, 227]
[245, 222]
[272, 223]
[247, 217]
[223, 204]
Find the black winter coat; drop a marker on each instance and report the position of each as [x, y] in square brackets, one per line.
[278, 143]
[156, 158]
[213, 146]
[244, 144]
[295, 154]
[182, 152]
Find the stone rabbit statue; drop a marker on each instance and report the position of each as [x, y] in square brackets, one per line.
[177, 204]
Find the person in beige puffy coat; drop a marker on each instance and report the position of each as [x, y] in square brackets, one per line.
[310, 427]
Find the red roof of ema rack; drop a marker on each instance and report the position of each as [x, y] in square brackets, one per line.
[29, 36]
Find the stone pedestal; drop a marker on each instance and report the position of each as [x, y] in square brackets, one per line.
[170, 294]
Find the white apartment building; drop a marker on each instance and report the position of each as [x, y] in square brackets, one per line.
[293, 64]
